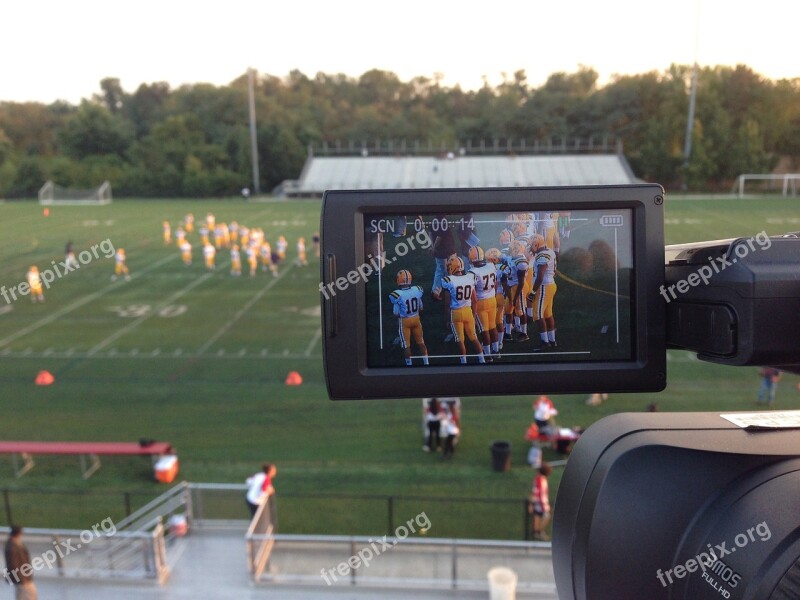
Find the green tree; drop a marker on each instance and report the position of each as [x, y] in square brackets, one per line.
[6, 148]
[281, 155]
[93, 130]
[28, 179]
[175, 159]
[144, 108]
[31, 126]
[113, 96]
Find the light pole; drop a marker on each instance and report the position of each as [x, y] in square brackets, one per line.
[253, 141]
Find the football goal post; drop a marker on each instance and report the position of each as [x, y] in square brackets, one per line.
[54, 194]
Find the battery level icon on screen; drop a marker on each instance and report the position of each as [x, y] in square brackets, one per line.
[611, 221]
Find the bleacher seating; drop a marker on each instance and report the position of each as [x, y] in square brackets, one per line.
[407, 172]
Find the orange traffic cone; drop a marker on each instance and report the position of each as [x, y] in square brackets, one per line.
[294, 378]
[44, 378]
[46, 212]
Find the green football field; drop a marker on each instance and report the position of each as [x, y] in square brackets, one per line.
[199, 359]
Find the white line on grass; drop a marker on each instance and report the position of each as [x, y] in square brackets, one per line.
[133, 325]
[313, 342]
[77, 304]
[241, 312]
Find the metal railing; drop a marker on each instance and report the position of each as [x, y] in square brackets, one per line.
[215, 504]
[171, 502]
[260, 538]
[123, 554]
[62, 507]
[592, 144]
[144, 546]
[409, 563]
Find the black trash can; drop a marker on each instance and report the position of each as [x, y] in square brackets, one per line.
[501, 456]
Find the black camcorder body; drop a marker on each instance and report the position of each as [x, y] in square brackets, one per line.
[688, 506]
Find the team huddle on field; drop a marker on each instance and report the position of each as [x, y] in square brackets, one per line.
[238, 240]
[491, 296]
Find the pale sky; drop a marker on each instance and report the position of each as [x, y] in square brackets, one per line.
[61, 49]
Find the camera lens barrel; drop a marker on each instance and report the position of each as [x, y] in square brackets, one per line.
[679, 506]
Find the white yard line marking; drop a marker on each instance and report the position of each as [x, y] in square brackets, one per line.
[313, 342]
[241, 312]
[77, 304]
[134, 324]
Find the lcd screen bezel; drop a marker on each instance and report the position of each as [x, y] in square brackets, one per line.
[343, 298]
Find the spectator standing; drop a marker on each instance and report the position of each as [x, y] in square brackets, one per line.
[259, 487]
[19, 571]
[433, 421]
[451, 430]
[769, 385]
[539, 503]
[535, 452]
[543, 413]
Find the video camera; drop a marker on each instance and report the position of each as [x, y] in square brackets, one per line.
[608, 314]
[591, 301]
[614, 307]
[689, 506]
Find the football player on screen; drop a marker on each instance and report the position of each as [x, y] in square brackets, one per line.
[406, 306]
[486, 304]
[517, 262]
[459, 295]
[544, 290]
[550, 231]
[494, 256]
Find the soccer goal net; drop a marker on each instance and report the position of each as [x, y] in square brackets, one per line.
[760, 183]
[52, 193]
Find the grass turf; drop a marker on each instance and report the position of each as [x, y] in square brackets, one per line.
[201, 362]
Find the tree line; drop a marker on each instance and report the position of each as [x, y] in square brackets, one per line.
[194, 140]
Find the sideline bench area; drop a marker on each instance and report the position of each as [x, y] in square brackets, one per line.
[89, 452]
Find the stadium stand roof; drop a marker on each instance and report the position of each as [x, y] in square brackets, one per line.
[408, 172]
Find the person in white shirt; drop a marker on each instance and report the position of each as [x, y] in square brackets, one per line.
[543, 412]
[259, 487]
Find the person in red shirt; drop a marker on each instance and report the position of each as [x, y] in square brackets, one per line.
[539, 503]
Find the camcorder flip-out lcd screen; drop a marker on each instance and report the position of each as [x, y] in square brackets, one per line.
[492, 291]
